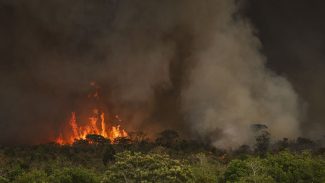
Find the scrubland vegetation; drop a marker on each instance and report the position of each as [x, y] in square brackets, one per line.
[166, 159]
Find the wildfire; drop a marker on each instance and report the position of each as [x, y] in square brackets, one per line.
[96, 124]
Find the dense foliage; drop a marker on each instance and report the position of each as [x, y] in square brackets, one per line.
[168, 159]
[282, 167]
[138, 167]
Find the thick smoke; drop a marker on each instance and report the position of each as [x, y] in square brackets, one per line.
[230, 89]
[293, 40]
[194, 66]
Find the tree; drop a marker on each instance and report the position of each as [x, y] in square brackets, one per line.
[236, 170]
[252, 170]
[281, 145]
[262, 137]
[167, 138]
[243, 151]
[290, 168]
[304, 144]
[262, 143]
[138, 167]
[283, 167]
[205, 170]
[258, 127]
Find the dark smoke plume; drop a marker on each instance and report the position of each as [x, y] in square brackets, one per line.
[194, 66]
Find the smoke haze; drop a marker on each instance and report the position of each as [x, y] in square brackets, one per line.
[193, 66]
[292, 33]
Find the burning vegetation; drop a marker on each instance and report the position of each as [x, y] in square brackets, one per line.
[96, 125]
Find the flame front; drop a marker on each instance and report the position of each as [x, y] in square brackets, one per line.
[95, 125]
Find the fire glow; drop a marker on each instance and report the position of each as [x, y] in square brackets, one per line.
[96, 125]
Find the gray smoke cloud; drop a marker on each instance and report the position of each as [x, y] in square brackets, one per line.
[194, 66]
[230, 89]
[293, 41]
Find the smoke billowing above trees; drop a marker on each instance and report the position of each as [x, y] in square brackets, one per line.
[193, 66]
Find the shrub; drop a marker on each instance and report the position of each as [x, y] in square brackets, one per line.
[3, 180]
[34, 176]
[284, 167]
[287, 167]
[236, 170]
[206, 170]
[138, 167]
[73, 175]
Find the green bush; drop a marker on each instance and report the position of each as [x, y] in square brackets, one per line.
[34, 176]
[284, 167]
[206, 170]
[97, 163]
[73, 175]
[250, 170]
[291, 168]
[13, 171]
[3, 180]
[138, 167]
[257, 179]
[236, 170]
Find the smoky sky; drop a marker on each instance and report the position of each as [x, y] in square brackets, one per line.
[292, 34]
[204, 68]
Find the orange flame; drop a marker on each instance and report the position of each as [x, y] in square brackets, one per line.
[95, 125]
[80, 132]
